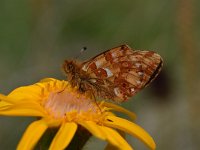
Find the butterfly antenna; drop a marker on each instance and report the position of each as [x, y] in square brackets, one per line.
[81, 51]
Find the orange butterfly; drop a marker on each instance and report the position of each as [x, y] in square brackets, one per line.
[116, 74]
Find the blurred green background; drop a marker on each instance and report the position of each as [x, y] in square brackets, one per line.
[37, 35]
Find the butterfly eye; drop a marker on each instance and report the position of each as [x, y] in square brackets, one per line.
[70, 67]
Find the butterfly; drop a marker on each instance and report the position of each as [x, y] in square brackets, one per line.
[116, 74]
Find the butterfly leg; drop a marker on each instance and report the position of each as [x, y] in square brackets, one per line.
[95, 100]
[61, 90]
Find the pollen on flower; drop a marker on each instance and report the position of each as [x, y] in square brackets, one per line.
[69, 101]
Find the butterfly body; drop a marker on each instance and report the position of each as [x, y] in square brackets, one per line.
[75, 75]
[82, 80]
[116, 74]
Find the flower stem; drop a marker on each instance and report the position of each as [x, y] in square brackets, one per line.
[80, 139]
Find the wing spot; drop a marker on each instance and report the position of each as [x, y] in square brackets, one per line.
[101, 73]
[93, 66]
[117, 91]
[132, 89]
[84, 68]
[126, 64]
[93, 80]
[125, 85]
[138, 65]
[109, 57]
[114, 55]
[98, 64]
[109, 72]
[140, 73]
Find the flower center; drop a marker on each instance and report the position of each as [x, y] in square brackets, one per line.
[58, 104]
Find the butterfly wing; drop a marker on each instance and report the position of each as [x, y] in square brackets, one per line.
[120, 72]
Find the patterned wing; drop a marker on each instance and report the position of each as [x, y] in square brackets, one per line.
[120, 72]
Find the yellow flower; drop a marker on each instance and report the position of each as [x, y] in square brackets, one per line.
[59, 105]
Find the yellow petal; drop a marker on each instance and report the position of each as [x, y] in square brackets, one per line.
[107, 134]
[50, 83]
[94, 129]
[5, 99]
[32, 135]
[21, 112]
[110, 146]
[36, 91]
[20, 108]
[3, 104]
[115, 139]
[26, 93]
[23, 109]
[120, 109]
[48, 80]
[64, 136]
[132, 129]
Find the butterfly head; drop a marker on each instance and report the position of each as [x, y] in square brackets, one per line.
[69, 66]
